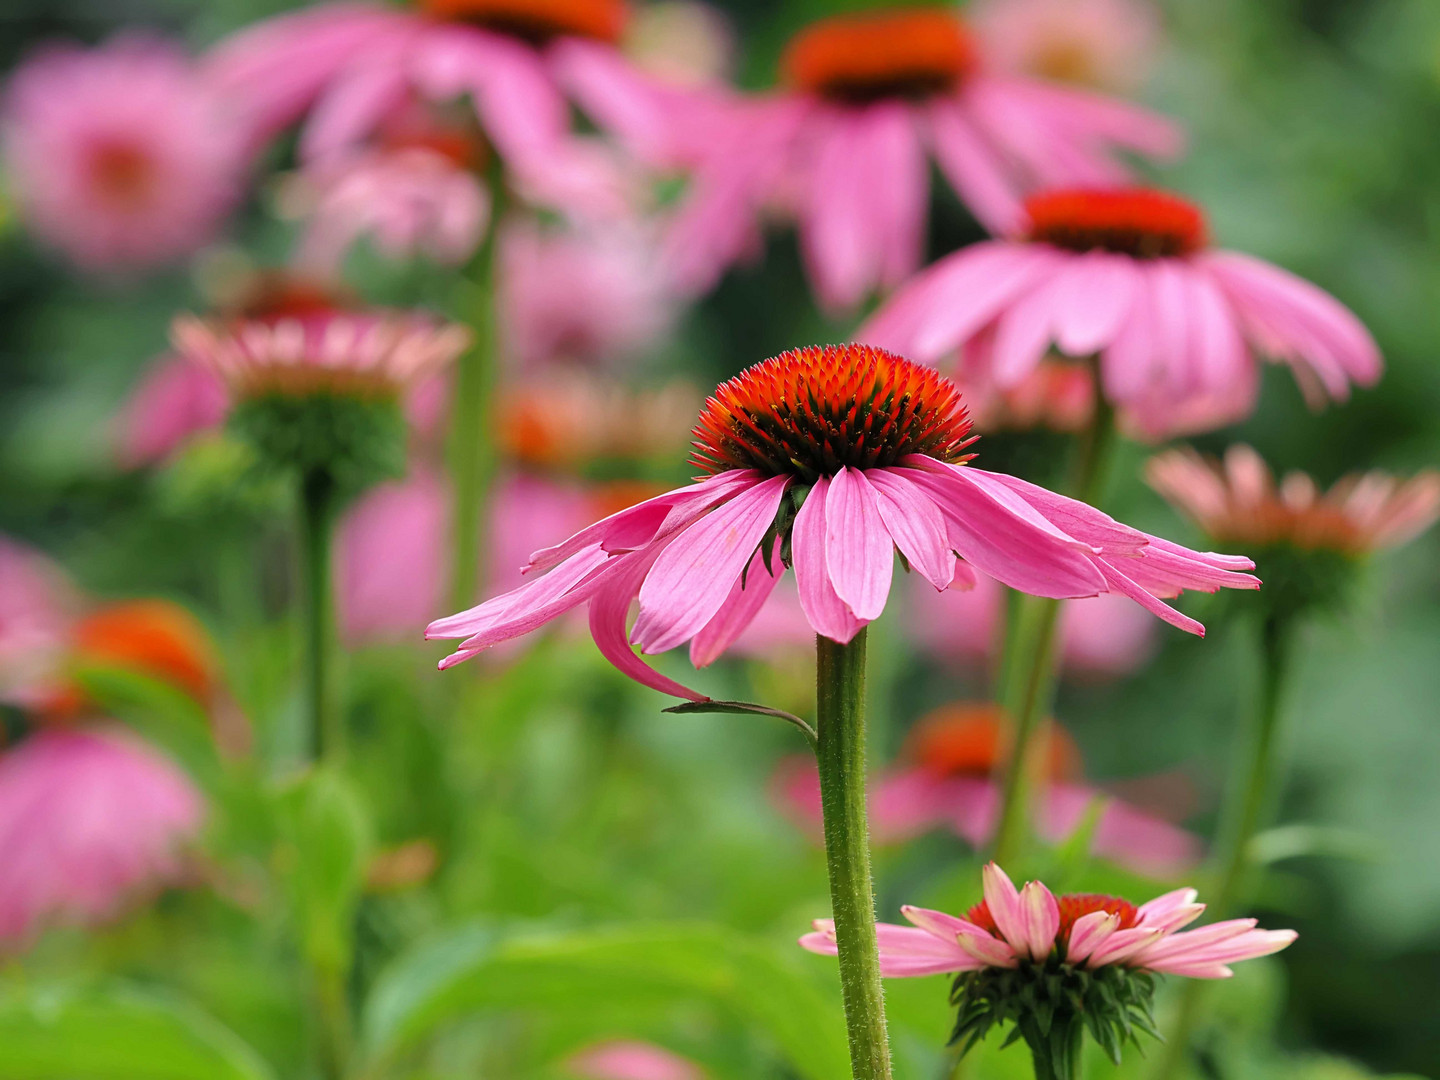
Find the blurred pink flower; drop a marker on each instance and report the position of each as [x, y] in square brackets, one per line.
[90, 820]
[1057, 396]
[1089, 931]
[945, 781]
[391, 547]
[629, 1059]
[843, 148]
[584, 296]
[1238, 498]
[174, 401]
[121, 157]
[682, 42]
[1104, 636]
[38, 608]
[1106, 44]
[702, 559]
[1127, 276]
[350, 66]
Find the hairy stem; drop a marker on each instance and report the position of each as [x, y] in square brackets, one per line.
[317, 614]
[840, 752]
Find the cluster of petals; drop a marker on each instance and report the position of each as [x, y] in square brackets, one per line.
[1176, 334]
[38, 608]
[631, 1059]
[352, 65]
[1237, 499]
[122, 157]
[1029, 927]
[382, 352]
[1105, 44]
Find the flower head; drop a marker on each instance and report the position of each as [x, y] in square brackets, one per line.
[876, 55]
[1035, 960]
[1127, 276]
[38, 608]
[628, 1059]
[121, 156]
[537, 20]
[826, 461]
[1106, 44]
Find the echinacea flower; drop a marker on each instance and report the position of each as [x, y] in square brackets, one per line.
[1128, 276]
[842, 148]
[630, 1059]
[1057, 966]
[91, 821]
[38, 608]
[351, 66]
[121, 157]
[826, 460]
[945, 779]
[1105, 44]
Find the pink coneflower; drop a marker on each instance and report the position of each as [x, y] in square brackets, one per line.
[352, 66]
[843, 147]
[90, 820]
[174, 401]
[121, 157]
[1055, 396]
[945, 780]
[1102, 637]
[827, 460]
[38, 608]
[1128, 276]
[1105, 44]
[629, 1059]
[1237, 500]
[1057, 966]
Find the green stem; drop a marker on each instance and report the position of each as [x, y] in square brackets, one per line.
[1247, 803]
[335, 1026]
[1056, 1058]
[317, 613]
[472, 446]
[840, 752]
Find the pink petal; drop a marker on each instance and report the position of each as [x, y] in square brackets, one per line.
[915, 524]
[1003, 900]
[1089, 933]
[859, 553]
[1041, 915]
[976, 170]
[824, 609]
[738, 610]
[1092, 300]
[608, 610]
[987, 951]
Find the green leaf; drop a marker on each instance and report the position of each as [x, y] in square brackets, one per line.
[486, 968]
[119, 1033]
[709, 705]
[160, 711]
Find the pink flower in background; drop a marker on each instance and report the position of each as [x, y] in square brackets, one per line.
[945, 781]
[1128, 276]
[1089, 931]
[682, 43]
[121, 157]
[174, 401]
[874, 446]
[843, 148]
[628, 1059]
[585, 296]
[1055, 396]
[391, 547]
[1238, 498]
[1105, 636]
[350, 67]
[90, 820]
[1106, 44]
[38, 609]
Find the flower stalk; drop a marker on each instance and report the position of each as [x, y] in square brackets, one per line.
[840, 752]
[318, 509]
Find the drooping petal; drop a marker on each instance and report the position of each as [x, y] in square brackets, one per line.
[915, 524]
[824, 609]
[747, 597]
[975, 169]
[859, 554]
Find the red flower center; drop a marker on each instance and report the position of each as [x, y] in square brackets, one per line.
[271, 297]
[122, 175]
[1137, 221]
[537, 21]
[969, 740]
[862, 58]
[810, 411]
[1072, 908]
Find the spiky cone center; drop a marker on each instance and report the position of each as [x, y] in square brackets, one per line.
[861, 58]
[970, 740]
[1073, 907]
[537, 21]
[1140, 222]
[809, 412]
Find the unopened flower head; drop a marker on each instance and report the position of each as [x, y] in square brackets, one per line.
[1056, 966]
[1128, 277]
[827, 460]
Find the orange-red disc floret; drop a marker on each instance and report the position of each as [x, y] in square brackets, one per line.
[969, 740]
[538, 21]
[1132, 221]
[810, 411]
[858, 58]
[153, 637]
[1072, 907]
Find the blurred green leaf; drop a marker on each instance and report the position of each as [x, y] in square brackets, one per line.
[160, 711]
[122, 1034]
[480, 967]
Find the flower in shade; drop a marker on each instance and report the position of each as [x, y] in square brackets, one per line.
[353, 66]
[827, 460]
[630, 1059]
[121, 157]
[174, 401]
[1102, 637]
[91, 820]
[945, 780]
[38, 608]
[842, 148]
[1107, 44]
[570, 420]
[1128, 276]
[1311, 539]
[1057, 966]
